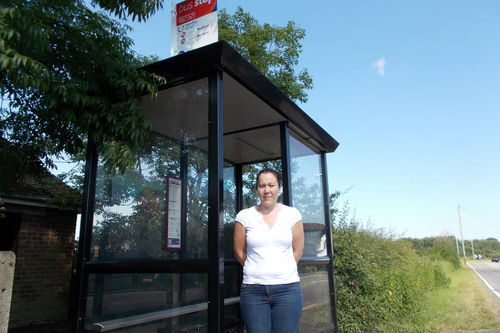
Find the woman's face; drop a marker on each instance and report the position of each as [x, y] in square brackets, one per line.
[268, 188]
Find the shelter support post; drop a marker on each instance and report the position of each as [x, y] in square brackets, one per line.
[286, 172]
[215, 204]
[328, 225]
[85, 233]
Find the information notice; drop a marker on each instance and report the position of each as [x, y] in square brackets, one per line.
[194, 24]
[174, 208]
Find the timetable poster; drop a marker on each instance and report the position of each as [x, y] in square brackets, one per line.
[174, 206]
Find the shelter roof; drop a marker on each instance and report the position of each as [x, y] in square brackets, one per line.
[250, 100]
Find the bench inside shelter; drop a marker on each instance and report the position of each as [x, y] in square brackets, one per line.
[112, 325]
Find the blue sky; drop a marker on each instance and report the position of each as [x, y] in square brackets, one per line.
[411, 90]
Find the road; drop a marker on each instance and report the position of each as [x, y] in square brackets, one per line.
[489, 272]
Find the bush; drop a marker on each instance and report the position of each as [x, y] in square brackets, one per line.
[444, 250]
[380, 280]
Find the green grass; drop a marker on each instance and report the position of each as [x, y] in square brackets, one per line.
[464, 306]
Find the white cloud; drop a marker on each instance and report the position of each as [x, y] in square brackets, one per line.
[380, 66]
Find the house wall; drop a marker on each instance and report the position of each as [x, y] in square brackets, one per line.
[42, 276]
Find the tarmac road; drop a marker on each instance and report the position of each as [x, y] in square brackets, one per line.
[489, 273]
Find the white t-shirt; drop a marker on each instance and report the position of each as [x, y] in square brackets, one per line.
[270, 257]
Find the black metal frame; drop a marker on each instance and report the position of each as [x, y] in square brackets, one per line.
[85, 231]
[286, 173]
[328, 225]
[184, 176]
[215, 205]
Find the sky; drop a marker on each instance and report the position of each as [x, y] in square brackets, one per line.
[411, 91]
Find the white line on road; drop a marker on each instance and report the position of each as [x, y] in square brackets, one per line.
[493, 290]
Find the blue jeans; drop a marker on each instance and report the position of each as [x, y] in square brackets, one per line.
[271, 308]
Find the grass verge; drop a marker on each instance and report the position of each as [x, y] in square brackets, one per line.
[465, 305]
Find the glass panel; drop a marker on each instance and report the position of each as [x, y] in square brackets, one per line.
[252, 146]
[229, 203]
[250, 171]
[130, 217]
[180, 112]
[307, 196]
[121, 296]
[231, 329]
[316, 314]
[197, 205]
[232, 280]
[232, 274]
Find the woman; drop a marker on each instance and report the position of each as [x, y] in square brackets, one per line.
[268, 243]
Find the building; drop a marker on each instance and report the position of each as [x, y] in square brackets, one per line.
[41, 234]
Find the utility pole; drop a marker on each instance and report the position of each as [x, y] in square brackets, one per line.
[458, 251]
[461, 234]
[473, 254]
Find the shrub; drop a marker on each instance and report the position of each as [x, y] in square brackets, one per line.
[443, 249]
[379, 279]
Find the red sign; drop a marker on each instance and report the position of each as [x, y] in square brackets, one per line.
[192, 9]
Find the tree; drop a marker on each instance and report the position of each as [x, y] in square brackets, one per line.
[68, 72]
[273, 50]
[63, 68]
[488, 248]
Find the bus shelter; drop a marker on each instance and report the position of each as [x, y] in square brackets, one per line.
[156, 252]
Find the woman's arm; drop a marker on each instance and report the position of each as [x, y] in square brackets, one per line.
[298, 240]
[240, 243]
